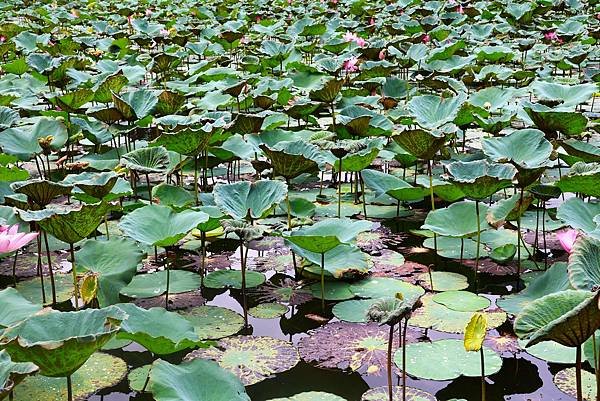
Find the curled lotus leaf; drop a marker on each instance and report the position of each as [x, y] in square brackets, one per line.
[422, 144]
[450, 359]
[526, 149]
[391, 310]
[147, 160]
[252, 359]
[583, 178]
[292, 158]
[311, 396]
[11, 373]
[15, 307]
[99, 372]
[412, 394]
[213, 322]
[584, 264]
[60, 342]
[479, 179]
[41, 192]
[97, 185]
[72, 225]
[158, 330]
[349, 346]
[439, 317]
[567, 317]
[196, 380]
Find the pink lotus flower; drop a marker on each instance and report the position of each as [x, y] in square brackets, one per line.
[2, 39]
[551, 36]
[351, 65]
[372, 21]
[382, 55]
[567, 239]
[360, 42]
[426, 38]
[148, 12]
[11, 240]
[130, 19]
[460, 10]
[164, 32]
[352, 37]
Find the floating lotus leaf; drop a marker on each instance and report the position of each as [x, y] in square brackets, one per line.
[380, 287]
[354, 310]
[567, 317]
[480, 179]
[114, 260]
[582, 178]
[550, 351]
[41, 192]
[412, 394]
[155, 284]
[31, 289]
[158, 330]
[74, 224]
[99, 372]
[348, 346]
[449, 358]
[233, 279]
[284, 290]
[566, 382]
[311, 396]
[15, 307]
[334, 291]
[159, 225]
[11, 373]
[243, 199]
[147, 160]
[553, 280]
[450, 247]
[97, 185]
[461, 301]
[213, 322]
[268, 311]
[60, 342]
[196, 380]
[439, 317]
[443, 281]
[457, 220]
[252, 359]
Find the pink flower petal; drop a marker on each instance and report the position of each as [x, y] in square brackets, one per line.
[567, 239]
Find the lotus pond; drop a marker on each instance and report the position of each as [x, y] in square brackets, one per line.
[299, 200]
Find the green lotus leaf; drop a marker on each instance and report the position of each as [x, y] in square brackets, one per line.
[252, 359]
[85, 381]
[173, 195]
[147, 160]
[387, 184]
[456, 220]
[455, 248]
[158, 330]
[271, 310]
[60, 342]
[23, 141]
[154, 284]
[439, 317]
[450, 359]
[197, 380]
[412, 394]
[15, 307]
[72, 101]
[311, 396]
[136, 104]
[115, 261]
[233, 279]
[8, 117]
[11, 373]
[566, 95]
[584, 264]
[567, 317]
[290, 159]
[187, 141]
[41, 192]
[432, 111]
[71, 225]
[213, 322]
[550, 351]
[32, 289]
[443, 281]
[590, 153]
[380, 287]
[159, 225]
[553, 280]
[480, 179]
[111, 84]
[345, 261]
[504, 253]
[97, 185]
[215, 215]
[327, 234]
[356, 121]
[334, 291]
[583, 178]
[243, 199]
[579, 214]
[422, 144]
[354, 310]
[554, 122]
[461, 301]
[360, 158]
[527, 149]
[326, 90]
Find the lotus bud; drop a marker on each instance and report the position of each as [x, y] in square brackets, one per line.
[487, 106]
[45, 143]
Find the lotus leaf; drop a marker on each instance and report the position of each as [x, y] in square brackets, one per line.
[213, 322]
[243, 200]
[461, 301]
[380, 287]
[566, 382]
[311, 396]
[480, 179]
[11, 373]
[268, 311]
[155, 284]
[412, 394]
[147, 160]
[456, 220]
[15, 307]
[233, 279]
